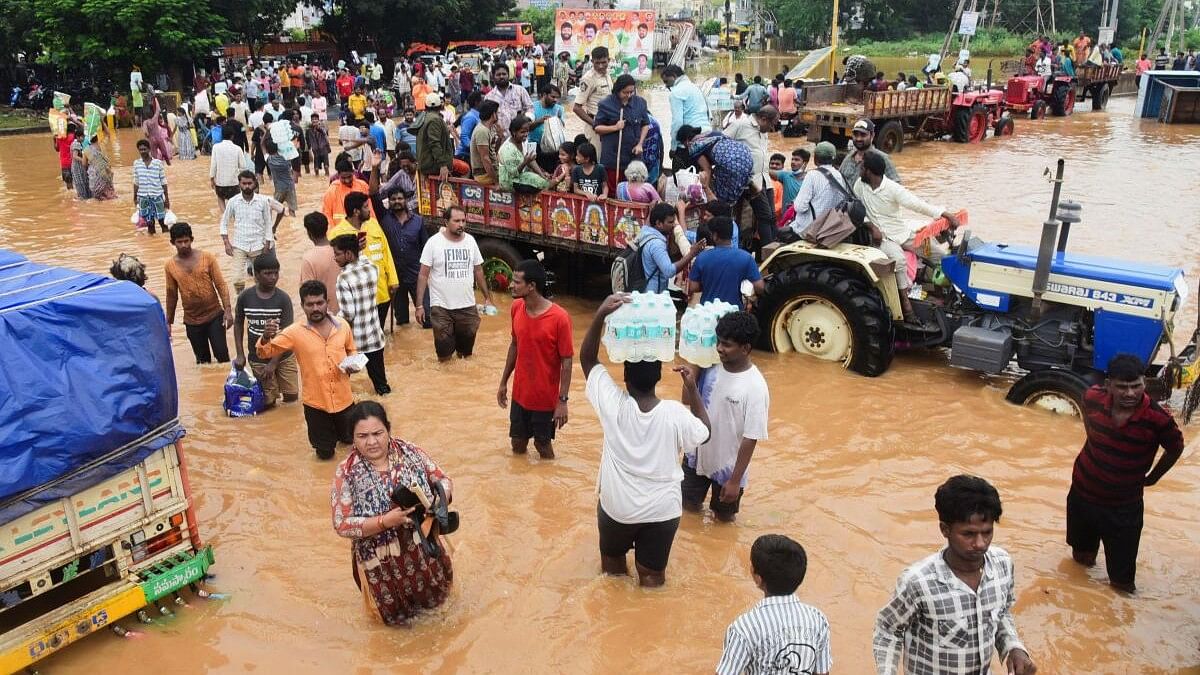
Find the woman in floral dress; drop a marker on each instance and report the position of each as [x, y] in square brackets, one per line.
[396, 577]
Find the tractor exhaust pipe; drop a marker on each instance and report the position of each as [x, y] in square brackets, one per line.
[1046, 250]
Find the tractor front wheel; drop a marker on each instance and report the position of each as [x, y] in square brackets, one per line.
[500, 258]
[1052, 390]
[826, 312]
[1038, 111]
[1004, 127]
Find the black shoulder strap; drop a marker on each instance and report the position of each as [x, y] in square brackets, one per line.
[836, 183]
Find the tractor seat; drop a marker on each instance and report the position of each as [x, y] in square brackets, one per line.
[1128, 272]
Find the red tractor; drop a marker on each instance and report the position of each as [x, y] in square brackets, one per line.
[972, 112]
[1034, 95]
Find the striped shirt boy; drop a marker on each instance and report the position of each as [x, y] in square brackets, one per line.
[149, 178]
[779, 634]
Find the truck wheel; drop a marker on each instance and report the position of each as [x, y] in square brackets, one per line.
[962, 125]
[500, 258]
[824, 311]
[1053, 390]
[1100, 97]
[1038, 111]
[890, 138]
[1004, 127]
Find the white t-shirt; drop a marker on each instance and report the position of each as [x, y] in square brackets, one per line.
[256, 119]
[639, 466]
[737, 408]
[451, 270]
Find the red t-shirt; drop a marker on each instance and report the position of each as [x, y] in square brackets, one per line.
[345, 86]
[64, 150]
[542, 343]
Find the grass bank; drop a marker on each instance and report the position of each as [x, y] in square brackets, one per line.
[985, 43]
[22, 119]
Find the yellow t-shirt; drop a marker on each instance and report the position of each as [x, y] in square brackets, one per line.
[357, 105]
[373, 243]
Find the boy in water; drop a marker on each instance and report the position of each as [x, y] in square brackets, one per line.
[778, 634]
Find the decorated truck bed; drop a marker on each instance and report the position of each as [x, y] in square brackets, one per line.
[96, 517]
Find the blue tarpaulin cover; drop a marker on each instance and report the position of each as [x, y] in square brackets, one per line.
[87, 381]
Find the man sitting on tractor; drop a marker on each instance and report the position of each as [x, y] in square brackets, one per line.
[884, 200]
[863, 135]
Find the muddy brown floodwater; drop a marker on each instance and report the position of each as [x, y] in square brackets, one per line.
[849, 470]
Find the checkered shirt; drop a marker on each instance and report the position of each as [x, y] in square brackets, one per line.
[356, 286]
[941, 625]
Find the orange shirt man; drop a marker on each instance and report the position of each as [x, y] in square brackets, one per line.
[321, 344]
[333, 203]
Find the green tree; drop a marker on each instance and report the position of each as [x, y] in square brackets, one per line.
[383, 25]
[710, 27]
[118, 33]
[16, 31]
[542, 22]
[253, 22]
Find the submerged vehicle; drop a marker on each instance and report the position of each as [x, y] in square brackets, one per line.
[96, 515]
[1054, 318]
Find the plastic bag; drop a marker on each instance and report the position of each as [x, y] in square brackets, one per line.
[243, 393]
[170, 218]
[136, 218]
[554, 134]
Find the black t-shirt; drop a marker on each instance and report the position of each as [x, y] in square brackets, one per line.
[592, 181]
[256, 311]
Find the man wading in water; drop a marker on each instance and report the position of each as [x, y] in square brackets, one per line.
[640, 499]
[1124, 432]
[951, 610]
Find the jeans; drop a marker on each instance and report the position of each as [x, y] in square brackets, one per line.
[206, 335]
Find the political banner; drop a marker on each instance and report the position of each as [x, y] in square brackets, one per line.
[628, 35]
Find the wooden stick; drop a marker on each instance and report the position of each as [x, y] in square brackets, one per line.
[620, 134]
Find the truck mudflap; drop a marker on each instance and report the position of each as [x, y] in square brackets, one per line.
[101, 609]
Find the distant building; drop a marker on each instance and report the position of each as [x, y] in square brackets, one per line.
[303, 17]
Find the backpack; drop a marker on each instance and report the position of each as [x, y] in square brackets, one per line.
[627, 273]
[835, 225]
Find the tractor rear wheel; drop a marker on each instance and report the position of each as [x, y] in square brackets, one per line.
[979, 124]
[825, 311]
[890, 138]
[1052, 390]
[1038, 111]
[500, 258]
[1063, 101]
[962, 125]
[1005, 127]
[1100, 97]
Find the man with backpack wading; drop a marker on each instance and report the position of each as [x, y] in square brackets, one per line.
[647, 267]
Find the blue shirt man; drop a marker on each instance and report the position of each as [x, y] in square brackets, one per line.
[688, 105]
[379, 135]
[719, 272]
[466, 128]
[756, 96]
[652, 240]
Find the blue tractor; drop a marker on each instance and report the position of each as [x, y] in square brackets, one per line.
[1051, 317]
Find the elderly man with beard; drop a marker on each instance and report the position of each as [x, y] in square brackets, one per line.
[320, 344]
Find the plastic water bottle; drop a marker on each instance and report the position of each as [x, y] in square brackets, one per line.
[698, 338]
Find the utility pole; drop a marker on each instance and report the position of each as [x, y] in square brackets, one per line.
[833, 44]
[953, 28]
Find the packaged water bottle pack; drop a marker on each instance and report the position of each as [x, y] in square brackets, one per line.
[698, 332]
[642, 330]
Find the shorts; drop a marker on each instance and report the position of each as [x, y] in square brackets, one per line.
[227, 192]
[296, 164]
[454, 330]
[326, 429]
[1119, 528]
[242, 265]
[286, 380]
[651, 542]
[320, 161]
[525, 423]
[287, 197]
[695, 487]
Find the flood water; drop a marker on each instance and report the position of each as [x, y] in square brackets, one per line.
[849, 470]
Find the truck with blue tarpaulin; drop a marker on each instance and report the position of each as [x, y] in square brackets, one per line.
[96, 515]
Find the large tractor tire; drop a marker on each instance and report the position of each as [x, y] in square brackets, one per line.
[1062, 102]
[1052, 390]
[1038, 111]
[890, 138]
[1100, 97]
[825, 311]
[500, 258]
[970, 124]
[859, 69]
